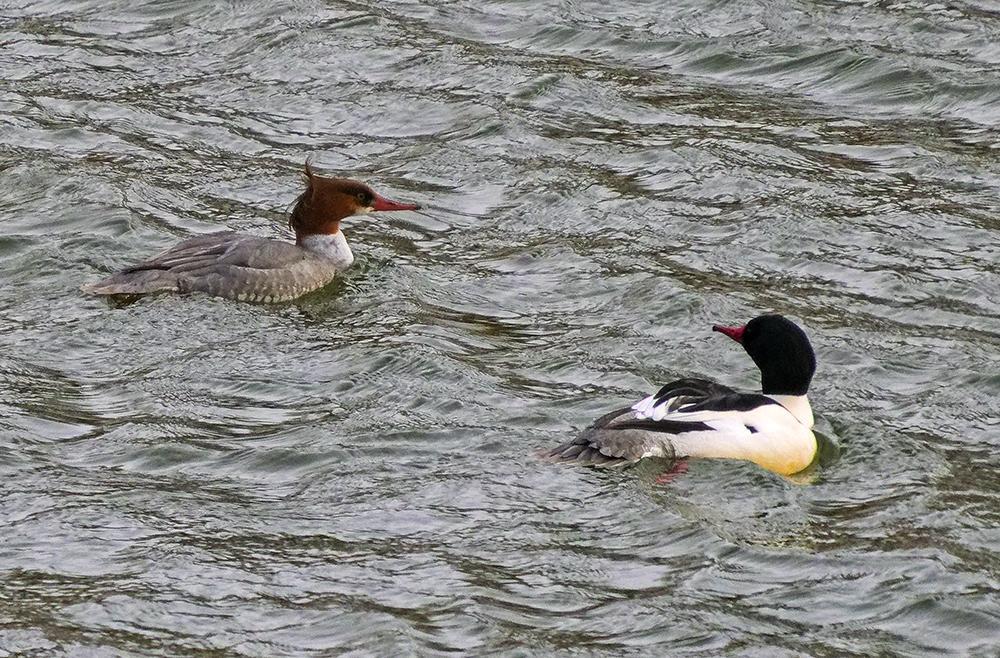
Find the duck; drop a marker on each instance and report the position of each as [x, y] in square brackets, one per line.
[248, 268]
[700, 418]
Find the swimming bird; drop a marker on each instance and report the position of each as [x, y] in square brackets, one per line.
[700, 418]
[254, 269]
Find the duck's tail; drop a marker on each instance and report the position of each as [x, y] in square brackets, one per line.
[612, 447]
[134, 282]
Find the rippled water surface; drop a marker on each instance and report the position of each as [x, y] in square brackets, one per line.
[357, 471]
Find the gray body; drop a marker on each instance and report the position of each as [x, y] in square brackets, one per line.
[235, 266]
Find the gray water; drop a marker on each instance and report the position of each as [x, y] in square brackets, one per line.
[356, 472]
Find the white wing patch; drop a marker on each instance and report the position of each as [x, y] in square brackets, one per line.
[648, 408]
[644, 407]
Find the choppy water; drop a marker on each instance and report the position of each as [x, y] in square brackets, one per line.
[357, 471]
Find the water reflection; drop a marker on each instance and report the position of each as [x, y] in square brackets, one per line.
[357, 471]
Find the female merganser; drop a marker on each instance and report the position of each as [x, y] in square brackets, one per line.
[700, 418]
[252, 269]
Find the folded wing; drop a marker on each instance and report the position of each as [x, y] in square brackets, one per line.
[682, 414]
[208, 263]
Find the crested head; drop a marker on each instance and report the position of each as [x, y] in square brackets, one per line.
[781, 351]
[326, 201]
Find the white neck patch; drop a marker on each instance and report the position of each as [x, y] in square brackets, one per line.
[798, 406]
[333, 247]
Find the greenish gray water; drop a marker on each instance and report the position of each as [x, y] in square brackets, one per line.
[356, 472]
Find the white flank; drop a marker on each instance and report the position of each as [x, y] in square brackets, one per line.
[778, 442]
[780, 439]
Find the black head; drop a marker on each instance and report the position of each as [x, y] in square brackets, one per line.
[781, 351]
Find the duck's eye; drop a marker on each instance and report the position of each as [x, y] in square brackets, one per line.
[363, 198]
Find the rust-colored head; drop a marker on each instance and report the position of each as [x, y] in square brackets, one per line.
[326, 201]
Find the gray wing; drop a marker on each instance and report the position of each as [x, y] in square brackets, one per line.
[226, 264]
[163, 272]
[610, 441]
[252, 269]
[224, 248]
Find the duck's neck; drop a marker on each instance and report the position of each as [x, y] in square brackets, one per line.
[331, 246]
[798, 406]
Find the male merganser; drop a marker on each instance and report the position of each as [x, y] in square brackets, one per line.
[253, 269]
[700, 418]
